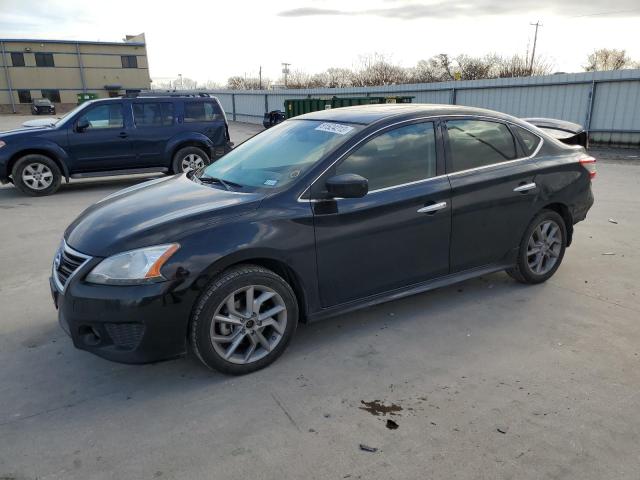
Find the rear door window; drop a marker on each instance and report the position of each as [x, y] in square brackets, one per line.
[201, 112]
[153, 114]
[478, 143]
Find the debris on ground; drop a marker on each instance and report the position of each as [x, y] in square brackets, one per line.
[611, 220]
[376, 407]
[391, 425]
[367, 448]
[502, 430]
[609, 253]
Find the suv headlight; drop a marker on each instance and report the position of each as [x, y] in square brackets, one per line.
[133, 267]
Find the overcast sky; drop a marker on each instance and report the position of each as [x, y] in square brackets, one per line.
[212, 40]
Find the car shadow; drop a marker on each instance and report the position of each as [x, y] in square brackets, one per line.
[56, 372]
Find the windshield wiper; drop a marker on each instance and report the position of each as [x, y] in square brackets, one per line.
[225, 183]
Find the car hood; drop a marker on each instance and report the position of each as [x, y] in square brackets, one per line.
[155, 212]
[20, 132]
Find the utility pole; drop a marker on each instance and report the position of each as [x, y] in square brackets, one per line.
[285, 72]
[260, 78]
[535, 39]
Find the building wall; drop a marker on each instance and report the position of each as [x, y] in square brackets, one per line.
[97, 63]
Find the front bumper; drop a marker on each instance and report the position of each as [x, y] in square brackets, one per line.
[128, 324]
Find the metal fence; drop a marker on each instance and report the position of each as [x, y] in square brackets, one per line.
[606, 103]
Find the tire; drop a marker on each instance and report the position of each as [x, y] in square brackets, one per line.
[236, 348]
[195, 156]
[36, 175]
[548, 252]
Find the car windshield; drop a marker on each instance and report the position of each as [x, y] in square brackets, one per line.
[276, 157]
[42, 101]
[63, 119]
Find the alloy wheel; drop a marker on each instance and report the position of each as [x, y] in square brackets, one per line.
[544, 247]
[192, 161]
[248, 324]
[37, 176]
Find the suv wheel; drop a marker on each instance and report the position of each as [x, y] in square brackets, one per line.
[189, 158]
[244, 320]
[542, 248]
[36, 175]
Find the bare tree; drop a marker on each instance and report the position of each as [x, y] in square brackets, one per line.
[376, 69]
[475, 68]
[518, 66]
[608, 59]
[338, 77]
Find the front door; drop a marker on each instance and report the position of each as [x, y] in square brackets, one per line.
[105, 144]
[493, 191]
[395, 236]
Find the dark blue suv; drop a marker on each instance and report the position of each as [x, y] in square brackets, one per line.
[116, 136]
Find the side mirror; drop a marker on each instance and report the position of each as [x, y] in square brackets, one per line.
[348, 185]
[82, 124]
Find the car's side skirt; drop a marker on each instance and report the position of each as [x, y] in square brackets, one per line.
[112, 173]
[408, 291]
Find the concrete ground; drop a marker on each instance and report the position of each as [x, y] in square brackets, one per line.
[487, 379]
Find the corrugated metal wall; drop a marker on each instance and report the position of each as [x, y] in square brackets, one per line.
[606, 103]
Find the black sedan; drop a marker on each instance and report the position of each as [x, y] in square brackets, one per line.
[43, 106]
[322, 214]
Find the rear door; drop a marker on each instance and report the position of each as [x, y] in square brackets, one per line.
[493, 190]
[398, 234]
[154, 125]
[105, 144]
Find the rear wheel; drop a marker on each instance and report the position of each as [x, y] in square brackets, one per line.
[542, 249]
[244, 320]
[36, 175]
[189, 158]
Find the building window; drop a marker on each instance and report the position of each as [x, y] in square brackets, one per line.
[24, 96]
[129, 61]
[17, 59]
[52, 95]
[44, 60]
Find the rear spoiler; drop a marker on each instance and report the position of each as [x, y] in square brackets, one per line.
[567, 132]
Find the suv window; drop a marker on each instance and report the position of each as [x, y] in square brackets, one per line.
[201, 112]
[104, 116]
[477, 143]
[530, 140]
[403, 155]
[153, 114]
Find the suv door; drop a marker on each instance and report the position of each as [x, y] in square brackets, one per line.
[104, 144]
[386, 240]
[493, 190]
[153, 127]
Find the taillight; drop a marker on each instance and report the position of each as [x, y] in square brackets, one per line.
[590, 164]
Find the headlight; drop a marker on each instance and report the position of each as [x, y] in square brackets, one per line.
[133, 267]
[2, 144]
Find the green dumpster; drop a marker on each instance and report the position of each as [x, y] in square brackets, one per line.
[84, 97]
[293, 108]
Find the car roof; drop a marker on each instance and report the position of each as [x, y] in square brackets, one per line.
[368, 114]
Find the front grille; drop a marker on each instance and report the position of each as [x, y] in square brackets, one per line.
[66, 263]
[125, 335]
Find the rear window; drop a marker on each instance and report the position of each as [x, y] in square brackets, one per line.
[530, 140]
[201, 112]
[153, 114]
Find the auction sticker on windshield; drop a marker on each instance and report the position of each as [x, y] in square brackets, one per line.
[334, 128]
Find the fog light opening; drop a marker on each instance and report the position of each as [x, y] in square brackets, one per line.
[90, 336]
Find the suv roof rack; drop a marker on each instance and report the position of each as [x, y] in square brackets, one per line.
[168, 93]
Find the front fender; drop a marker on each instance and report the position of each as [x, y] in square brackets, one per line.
[38, 145]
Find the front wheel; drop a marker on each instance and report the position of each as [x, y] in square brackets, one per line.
[189, 158]
[542, 249]
[244, 320]
[36, 175]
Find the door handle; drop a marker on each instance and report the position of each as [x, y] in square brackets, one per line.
[433, 208]
[123, 134]
[525, 187]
